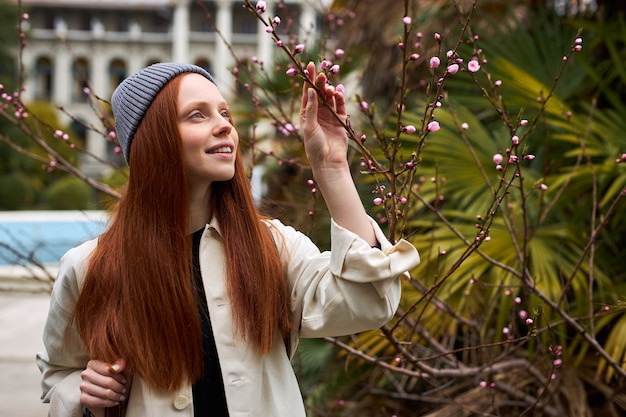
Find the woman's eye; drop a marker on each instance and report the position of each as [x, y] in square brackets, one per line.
[225, 114]
[196, 115]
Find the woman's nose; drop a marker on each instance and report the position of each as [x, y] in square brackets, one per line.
[223, 127]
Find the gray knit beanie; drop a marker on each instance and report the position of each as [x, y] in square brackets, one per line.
[134, 95]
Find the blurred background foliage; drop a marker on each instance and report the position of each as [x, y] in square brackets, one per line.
[24, 179]
[576, 139]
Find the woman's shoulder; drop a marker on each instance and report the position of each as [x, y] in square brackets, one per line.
[79, 253]
[69, 280]
[74, 262]
[289, 238]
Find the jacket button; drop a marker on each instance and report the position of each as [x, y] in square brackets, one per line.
[181, 402]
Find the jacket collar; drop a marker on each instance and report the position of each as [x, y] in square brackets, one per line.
[213, 224]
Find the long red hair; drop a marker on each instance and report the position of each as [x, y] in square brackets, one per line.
[138, 300]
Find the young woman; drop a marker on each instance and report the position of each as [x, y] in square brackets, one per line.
[191, 303]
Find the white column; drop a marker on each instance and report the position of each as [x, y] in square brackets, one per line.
[308, 23]
[28, 62]
[223, 59]
[99, 72]
[180, 32]
[62, 77]
[95, 143]
[265, 44]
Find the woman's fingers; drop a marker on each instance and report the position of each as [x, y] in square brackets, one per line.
[103, 384]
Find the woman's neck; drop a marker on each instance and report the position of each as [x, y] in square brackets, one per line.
[200, 210]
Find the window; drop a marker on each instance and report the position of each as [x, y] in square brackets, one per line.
[202, 17]
[121, 23]
[117, 73]
[80, 73]
[244, 21]
[43, 79]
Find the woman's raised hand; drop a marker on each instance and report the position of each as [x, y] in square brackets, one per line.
[325, 139]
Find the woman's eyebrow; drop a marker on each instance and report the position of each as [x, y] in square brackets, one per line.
[203, 103]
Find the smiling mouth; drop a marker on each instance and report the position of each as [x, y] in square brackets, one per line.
[221, 149]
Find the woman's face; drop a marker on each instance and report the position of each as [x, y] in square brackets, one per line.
[208, 137]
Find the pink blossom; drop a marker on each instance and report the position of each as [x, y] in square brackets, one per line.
[515, 140]
[409, 129]
[414, 57]
[473, 66]
[523, 314]
[529, 157]
[512, 159]
[291, 72]
[557, 362]
[578, 48]
[112, 135]
[497, 158]
[529, 321]
[261, 6]
[299, 48]
[25, 16]
[334, 69]
[339, 52]
[433, 126]
[449, 54]
[435, 62]
[406, 20]
[464, 126]
[269, 29]
[453, 69]
[279, 43]
[276, 20]
[483, 384]
[325, 64]
[340, 88]
[378, 201]
[498, 83]
[543, 187]
[523, 122]
[437, 37]
[578, 41]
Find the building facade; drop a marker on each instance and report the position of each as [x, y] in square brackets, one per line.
[73, 44]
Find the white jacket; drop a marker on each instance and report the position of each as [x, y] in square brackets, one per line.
[350, 289]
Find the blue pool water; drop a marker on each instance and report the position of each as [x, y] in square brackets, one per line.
[45, 236]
